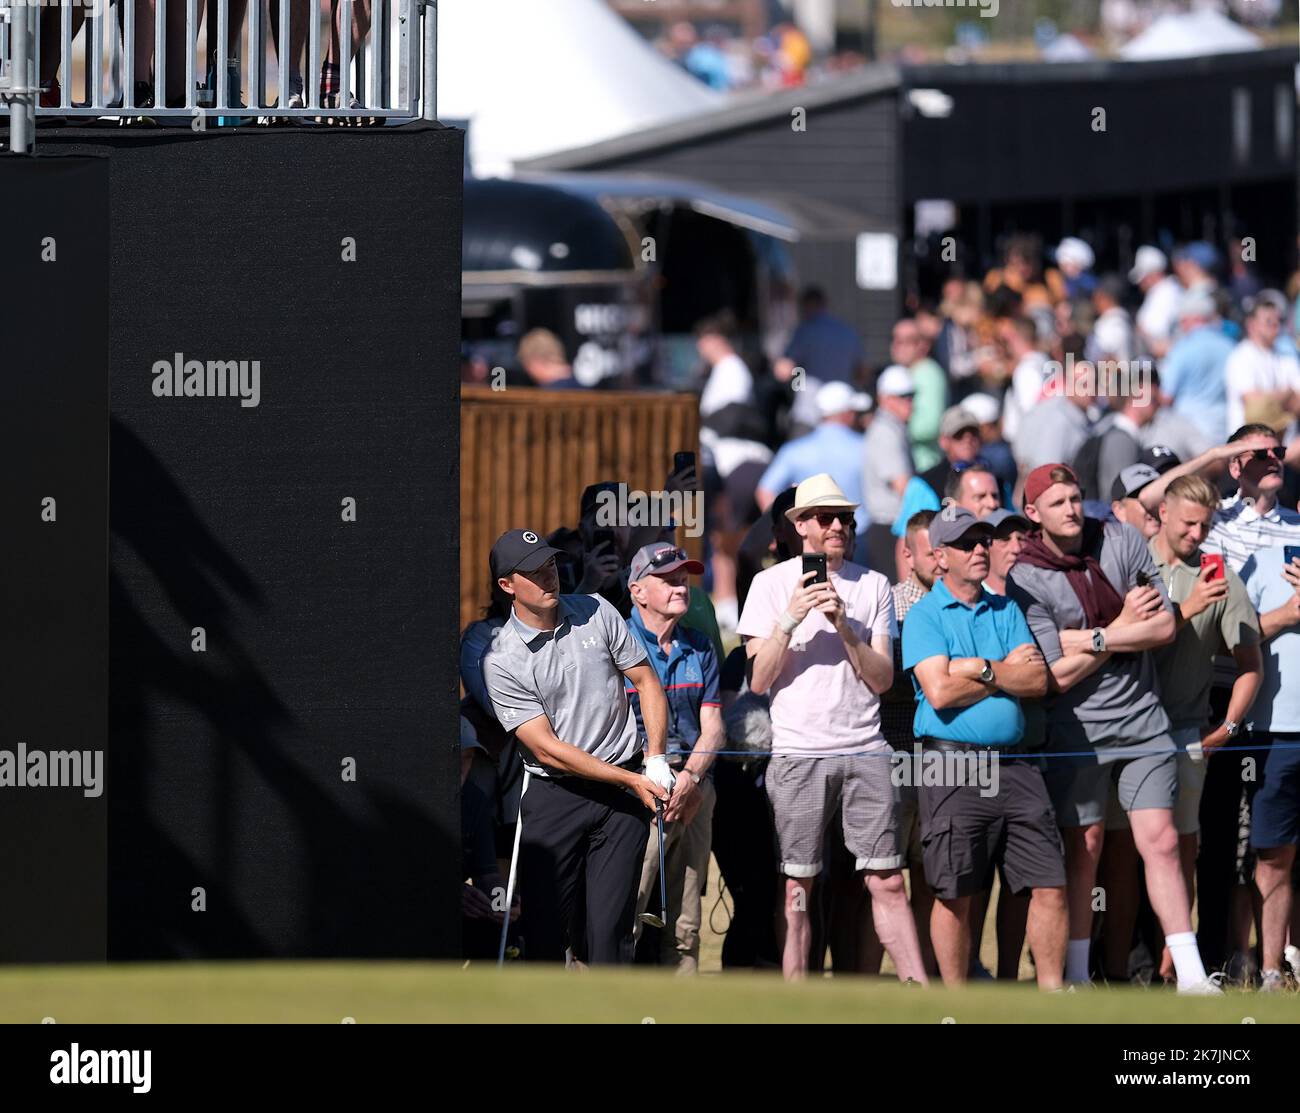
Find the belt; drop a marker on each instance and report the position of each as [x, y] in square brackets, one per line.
[1015, 749]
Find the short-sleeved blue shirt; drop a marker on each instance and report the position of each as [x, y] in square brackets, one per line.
[689, 676]
[942, 626]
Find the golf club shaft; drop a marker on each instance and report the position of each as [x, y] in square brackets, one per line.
[514, 866]
[663, 876]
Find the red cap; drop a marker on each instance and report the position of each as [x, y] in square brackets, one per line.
[1041, 478]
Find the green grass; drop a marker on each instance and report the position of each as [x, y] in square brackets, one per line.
[379, 992]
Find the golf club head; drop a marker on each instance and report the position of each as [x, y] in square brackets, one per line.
[651, 919]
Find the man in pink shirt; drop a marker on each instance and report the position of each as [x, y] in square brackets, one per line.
[823, 653]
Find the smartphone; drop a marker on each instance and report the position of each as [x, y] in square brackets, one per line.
[603, 536]
[1290, 553]
[1143, 580]
[815, 562]
[1213, 561]
[683, 462]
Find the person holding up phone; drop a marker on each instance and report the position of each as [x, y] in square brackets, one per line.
[822, 649]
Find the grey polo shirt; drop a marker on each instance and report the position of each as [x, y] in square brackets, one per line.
[1119, 704]
[573, 675]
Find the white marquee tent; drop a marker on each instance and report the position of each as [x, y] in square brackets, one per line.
[1185, 35]
[535, 76]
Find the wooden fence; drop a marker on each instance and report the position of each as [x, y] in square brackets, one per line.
[526, 455]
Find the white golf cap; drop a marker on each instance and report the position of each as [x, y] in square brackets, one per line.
[1148, 261]
[838, 397]
[1074, 250]
[984, 407]
[895, 381]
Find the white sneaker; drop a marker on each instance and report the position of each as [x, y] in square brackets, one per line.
[1293, 960]
[1212, 986]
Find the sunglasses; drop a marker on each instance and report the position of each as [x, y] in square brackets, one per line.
[1277, 452]
[845, 518]
[969, 544]
[667, 556]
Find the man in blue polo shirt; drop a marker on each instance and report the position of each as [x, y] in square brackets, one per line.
[687, 666]
[982, 799]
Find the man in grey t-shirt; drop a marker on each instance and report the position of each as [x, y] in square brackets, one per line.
[555, 673]
[1096, 605]
[887, 464]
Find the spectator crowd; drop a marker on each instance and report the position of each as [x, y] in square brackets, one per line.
[1005, 624]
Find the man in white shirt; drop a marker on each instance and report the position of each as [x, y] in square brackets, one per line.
[729, 381]
[1162, 294]
[1029, 379]
[1263, 385]
[1112, 335]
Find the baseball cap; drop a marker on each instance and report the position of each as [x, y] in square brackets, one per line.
[1199, 252]
[1131, 480]
[660, 558]
[955, 419]
[1002, 517]
[1040, 479]
[1161, 457]
[896, 382]
[838, 397]
[952, 523]
[1197, 303]
[519, 550]
[984, 407]
[1074, 250]
[1148, 261]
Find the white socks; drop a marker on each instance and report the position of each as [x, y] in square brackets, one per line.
[1187, 959]
[1076, 960]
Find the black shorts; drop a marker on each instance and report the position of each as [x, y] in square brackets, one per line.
[965, 834]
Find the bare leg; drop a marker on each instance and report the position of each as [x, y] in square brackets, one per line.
[1187, 857]
[922, 903]
[979, 911]
[1273, 879]
[894, 924]
[52, 39]
[1157, 842]
[798, 932]
[950, 931]
[1047, 927]
[1082, 853]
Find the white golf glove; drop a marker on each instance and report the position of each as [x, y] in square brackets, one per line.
[656, 768]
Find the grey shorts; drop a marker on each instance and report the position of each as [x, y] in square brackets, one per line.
[1191, 785]
[805, 791]
[1080, 786]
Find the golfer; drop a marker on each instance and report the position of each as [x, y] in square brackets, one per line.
[555, 673]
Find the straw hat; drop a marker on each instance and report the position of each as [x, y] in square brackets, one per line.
[820, 492]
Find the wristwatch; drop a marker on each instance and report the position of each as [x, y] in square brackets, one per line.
[1230, 728]
[1098, 640]
[986, 676]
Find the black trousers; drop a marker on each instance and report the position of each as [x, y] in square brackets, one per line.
[579, 865]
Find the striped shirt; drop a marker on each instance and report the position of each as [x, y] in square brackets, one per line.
[1238, 531]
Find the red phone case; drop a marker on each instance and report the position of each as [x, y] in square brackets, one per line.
[1215, 561]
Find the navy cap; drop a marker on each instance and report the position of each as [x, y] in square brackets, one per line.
[519, 550]
[952, 523]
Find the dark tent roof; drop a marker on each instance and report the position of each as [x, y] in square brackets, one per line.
[530, 228]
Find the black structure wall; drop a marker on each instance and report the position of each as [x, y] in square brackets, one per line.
[54, 560]
[328, 641]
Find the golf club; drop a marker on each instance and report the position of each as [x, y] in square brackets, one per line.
[514, 866]
[648, 917]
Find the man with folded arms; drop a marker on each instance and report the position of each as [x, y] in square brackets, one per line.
[1105, 720]
[973, 659]
[824, 654]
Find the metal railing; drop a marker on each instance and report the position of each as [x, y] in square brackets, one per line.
[93, 58]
